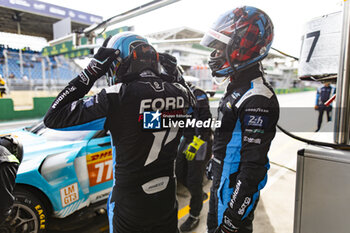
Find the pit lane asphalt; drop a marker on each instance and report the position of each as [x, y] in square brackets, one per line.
[99, 224]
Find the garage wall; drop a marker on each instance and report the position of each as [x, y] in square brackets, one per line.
[40, 107]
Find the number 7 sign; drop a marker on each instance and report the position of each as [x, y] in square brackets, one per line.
[320, 46]
[315, 35]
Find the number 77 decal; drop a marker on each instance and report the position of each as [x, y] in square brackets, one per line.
[101, 176]
[100, 166]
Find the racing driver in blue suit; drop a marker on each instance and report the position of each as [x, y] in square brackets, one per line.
[143, 197]
[248, 111]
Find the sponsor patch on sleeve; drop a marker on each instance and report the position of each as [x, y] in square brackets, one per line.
[89, 102]
[255, 121]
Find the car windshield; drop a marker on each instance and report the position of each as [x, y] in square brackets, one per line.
[58, 135]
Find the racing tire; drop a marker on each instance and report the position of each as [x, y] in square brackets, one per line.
[29, 214]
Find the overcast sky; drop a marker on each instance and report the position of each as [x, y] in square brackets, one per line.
[288, 16]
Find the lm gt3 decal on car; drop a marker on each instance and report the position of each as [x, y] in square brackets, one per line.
[69, 194]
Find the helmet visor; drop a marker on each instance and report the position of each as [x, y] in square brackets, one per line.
[215, 40]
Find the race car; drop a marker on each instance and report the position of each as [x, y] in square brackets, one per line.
[62, 173]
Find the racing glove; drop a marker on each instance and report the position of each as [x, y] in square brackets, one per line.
[169, 63]
[100, 64]
[193, 147]
[227, 226]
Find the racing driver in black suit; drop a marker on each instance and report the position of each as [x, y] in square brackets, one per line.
[143, 198]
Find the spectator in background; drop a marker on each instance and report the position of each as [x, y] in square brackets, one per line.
[35, 58]
[25, 78]
[323, 94]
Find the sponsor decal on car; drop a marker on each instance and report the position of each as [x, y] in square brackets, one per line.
[69, 194]
[41, 214]
[100, 167]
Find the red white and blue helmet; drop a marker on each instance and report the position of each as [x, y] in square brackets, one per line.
[125, 42]
[241, 37]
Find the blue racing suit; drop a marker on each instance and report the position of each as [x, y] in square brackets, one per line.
[249, 112]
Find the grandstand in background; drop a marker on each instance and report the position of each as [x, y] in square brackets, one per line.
[27, 69]
[25, 28]
[27, 66]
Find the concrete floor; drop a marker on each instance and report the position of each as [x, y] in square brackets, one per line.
[275, 210]
[183, 198]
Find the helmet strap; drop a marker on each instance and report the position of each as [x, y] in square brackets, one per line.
[221, 81]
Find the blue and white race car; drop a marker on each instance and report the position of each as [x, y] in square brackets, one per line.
[61, 173]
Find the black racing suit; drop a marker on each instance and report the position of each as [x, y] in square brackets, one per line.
[143, 198]
[190, 173]
[249, 112]
[8, 169]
